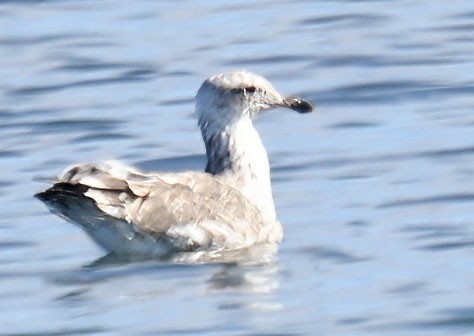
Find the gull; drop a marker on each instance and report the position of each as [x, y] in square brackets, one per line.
[227, 207]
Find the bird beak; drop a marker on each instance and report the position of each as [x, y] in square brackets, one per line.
[297, 104]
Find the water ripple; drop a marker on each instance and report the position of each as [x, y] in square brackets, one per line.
[455, 198]
[277, 59]
[461, 28]
[440, 237]
[6, 154]
[71, 125]
[100, 137]
[15, 244]
[354, 124]
[45, 38]
[331, 254]
[447, 153]
[337, 162]
[448, 245]
[388, 92]
[356, 19]
[63, 331]
[125, 77]
[5, 185]
[371, 61]
[90, 65]
[452, 319]
[411, 288]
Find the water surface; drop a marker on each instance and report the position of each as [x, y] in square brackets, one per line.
[375, 190]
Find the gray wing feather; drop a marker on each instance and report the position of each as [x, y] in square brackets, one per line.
[191, 206]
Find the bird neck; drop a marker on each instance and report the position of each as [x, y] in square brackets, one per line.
[235, 153]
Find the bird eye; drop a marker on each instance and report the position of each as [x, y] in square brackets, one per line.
[250, 89]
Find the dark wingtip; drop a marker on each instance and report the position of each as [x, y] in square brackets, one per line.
[59, 191]
[41, 196]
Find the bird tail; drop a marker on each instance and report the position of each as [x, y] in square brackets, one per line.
[113, 234]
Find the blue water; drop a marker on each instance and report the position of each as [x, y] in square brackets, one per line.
[375, 190]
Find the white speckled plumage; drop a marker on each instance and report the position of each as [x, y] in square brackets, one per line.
[227, 207]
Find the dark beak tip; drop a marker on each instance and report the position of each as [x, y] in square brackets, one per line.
[299, 105]
[304, 107]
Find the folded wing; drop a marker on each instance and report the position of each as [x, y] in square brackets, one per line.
[185, 210]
